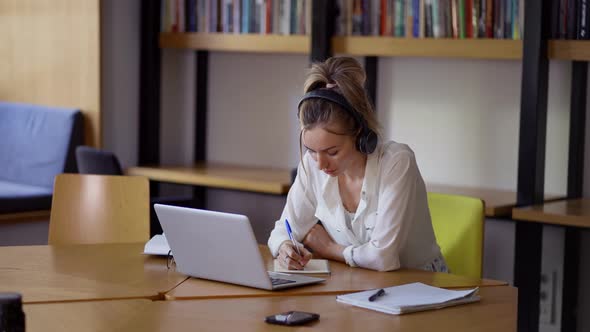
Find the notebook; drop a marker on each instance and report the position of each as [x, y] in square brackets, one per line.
[313, 266]
[222, 247]
[410, 298]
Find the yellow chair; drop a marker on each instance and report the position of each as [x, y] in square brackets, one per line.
[90, 209]
[458, 225]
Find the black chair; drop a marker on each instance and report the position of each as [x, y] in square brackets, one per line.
[95, 161]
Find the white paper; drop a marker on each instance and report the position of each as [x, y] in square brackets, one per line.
[157, 245]
[409, 298]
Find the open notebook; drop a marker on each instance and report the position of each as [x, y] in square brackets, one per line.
[313, 266]
[410, 298]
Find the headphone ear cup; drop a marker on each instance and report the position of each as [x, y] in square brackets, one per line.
[367, 141]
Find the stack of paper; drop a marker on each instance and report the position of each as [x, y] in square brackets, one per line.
[313, 266]
[157, 245]
[409, 298]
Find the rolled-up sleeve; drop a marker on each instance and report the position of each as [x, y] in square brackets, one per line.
[299, 210]
[396, 213]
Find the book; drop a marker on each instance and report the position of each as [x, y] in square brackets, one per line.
[157, 245]
[410, 298]
[313, 266]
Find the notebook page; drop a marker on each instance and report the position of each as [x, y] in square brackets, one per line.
[313, 266]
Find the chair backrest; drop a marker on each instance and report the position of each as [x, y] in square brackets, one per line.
[458, 223]
[99, 209]
[94, 161]
[38, 142]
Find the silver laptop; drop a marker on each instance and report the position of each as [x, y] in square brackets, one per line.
[220, 246]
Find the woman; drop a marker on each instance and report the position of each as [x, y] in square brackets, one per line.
[369, 195]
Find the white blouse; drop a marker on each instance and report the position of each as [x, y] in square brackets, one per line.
[391, 227]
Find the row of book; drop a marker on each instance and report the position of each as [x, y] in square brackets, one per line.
[287, 17]
[499, 19]
[569, 19]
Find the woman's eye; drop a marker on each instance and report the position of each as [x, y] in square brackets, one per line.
[332, 154]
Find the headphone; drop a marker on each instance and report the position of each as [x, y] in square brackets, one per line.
[366, 140]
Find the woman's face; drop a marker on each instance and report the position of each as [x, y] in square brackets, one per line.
[333, 153]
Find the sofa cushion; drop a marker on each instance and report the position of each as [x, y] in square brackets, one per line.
[15, 197]
[37, 142]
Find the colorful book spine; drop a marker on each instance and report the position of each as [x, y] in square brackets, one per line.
[416, 18]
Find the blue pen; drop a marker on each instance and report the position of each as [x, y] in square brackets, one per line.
[291, 236]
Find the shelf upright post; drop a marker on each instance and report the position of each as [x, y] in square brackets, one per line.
[322, 29]
[575, 180]
[531, 161]
[371, 65]
[149, 88]
[201, 109]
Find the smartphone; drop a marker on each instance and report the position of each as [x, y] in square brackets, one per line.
[292, 318]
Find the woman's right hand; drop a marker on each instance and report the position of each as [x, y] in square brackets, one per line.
[289, 258]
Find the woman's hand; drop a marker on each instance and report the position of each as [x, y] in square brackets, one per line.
[322, 244]
[289, 258]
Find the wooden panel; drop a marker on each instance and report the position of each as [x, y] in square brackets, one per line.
[50, 53]
[498, 203]
[99, 209]
[495, 312]
[343, 279]
[84, 272]
[255, 179]
[429, 47]
[569, 49]
[565, 213]
[297, 44]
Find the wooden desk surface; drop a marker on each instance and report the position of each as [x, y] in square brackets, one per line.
[255, 179]
[498, 203]
[565, 213]
[495, 312]
[84, 272]
[344, 279]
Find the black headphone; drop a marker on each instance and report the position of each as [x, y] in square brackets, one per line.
[366, 140]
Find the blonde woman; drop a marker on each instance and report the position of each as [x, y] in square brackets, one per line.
[368, 194]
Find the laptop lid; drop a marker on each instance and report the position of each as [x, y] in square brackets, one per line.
[218, 246]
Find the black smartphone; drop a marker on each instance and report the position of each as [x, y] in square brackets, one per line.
[292, 318]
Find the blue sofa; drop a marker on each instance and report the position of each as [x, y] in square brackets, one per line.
[36, 143]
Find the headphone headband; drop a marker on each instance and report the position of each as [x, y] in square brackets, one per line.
[335, 97]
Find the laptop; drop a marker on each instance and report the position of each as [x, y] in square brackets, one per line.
[222, 247]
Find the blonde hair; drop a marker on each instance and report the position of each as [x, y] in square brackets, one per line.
[347, 77]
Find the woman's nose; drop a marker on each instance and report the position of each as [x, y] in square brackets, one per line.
[322, 162]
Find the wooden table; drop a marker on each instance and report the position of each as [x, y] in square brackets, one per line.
[214, 175]
[344, 279]
[495, 312]
[575, 213]
[498, 203]
[84, 272]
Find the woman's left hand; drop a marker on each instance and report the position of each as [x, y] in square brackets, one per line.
[322, 244]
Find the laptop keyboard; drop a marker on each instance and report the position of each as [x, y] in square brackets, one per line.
[279, 281]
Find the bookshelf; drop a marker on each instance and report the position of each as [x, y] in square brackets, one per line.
[290, 44]
[502, 49]
[577, 50]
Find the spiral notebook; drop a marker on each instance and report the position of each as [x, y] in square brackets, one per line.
[410, 298]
